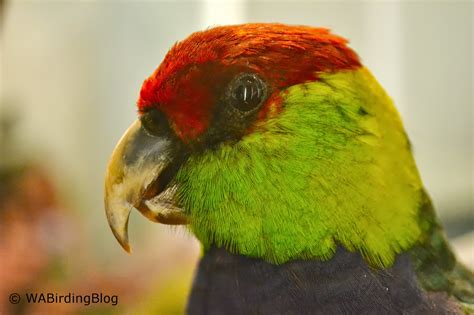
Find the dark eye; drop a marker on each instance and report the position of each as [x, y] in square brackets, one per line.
[154, 122]
[247, 92]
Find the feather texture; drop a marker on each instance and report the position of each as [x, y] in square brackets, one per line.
[233, 284]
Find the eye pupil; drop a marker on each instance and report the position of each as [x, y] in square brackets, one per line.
[247, 92]
[241, 92]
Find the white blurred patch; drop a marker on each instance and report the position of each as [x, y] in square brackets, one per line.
[464, 248]
[215, 13]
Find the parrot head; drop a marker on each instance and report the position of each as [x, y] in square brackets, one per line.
[272, 141]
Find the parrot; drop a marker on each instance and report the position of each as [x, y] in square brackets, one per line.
[281, 153]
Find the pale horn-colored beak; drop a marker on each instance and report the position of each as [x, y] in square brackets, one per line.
[138, 176]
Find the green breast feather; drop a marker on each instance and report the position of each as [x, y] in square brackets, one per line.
[333, 167]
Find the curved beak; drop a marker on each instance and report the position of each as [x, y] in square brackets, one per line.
[138, 176]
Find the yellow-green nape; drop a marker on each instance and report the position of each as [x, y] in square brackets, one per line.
[333, 168]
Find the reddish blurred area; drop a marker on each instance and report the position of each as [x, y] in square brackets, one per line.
[32, 228]
[39, 242]
[43, 250]
[37, 234]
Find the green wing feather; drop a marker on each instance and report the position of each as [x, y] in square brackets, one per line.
[436, 264]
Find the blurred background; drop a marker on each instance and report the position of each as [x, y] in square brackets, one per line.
[70, 76]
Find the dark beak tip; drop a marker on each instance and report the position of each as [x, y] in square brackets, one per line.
[127, 248]
[123, 241]
[125, 245]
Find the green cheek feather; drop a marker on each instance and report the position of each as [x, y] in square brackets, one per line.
[333, 167]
